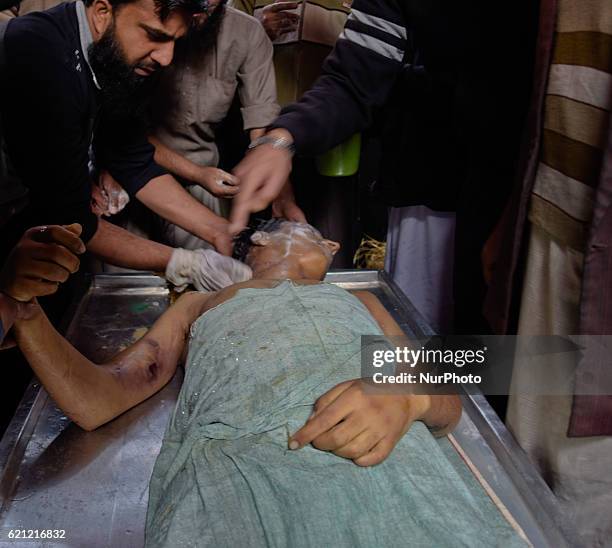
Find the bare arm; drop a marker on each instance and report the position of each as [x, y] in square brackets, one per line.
[91, 394]
[181, 166]
[119, 247]
[174, 162]
[166, 197]
[215, 180]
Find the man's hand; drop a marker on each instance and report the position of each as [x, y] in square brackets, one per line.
[107, 196]
[205, 269]
[263, 173]
[278, 20]
[285, 207]
[43, 258]
[357, 423]
[218, 182]
[99, 201]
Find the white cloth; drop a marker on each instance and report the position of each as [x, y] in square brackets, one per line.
[419, 258]
[577, 469]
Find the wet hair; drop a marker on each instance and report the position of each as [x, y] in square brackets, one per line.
[164, 8]
[243, 243]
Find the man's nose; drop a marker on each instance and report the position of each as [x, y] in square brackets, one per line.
[163, 54]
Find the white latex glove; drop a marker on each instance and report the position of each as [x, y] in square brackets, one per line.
[205, 269]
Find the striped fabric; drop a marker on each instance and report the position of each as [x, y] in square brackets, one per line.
[577, 106]
[376, 34]
[372, 43]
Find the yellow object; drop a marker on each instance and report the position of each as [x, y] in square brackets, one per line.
[370, 254]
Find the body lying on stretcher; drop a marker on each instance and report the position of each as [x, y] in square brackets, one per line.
[275, 441]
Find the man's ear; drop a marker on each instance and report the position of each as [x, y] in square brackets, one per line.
[332, 246]
[260, 238]
[101, 17]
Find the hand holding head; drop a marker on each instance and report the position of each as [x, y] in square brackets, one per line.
[263, 173]
[279, 249]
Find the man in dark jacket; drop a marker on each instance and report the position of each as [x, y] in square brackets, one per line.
[480, 55]
[75, 76]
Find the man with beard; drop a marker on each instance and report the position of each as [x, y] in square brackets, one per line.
[72, 75]
[230, 56]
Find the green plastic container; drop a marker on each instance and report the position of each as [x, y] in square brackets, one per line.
[341, 161]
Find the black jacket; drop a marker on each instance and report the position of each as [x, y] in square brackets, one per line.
[455, 127]
[49, 110]
[446, 85]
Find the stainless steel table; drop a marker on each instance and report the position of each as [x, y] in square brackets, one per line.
[94, 485]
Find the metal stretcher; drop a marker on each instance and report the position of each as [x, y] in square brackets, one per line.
[94, 485]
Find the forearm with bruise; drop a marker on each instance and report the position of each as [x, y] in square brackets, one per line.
[144, 368]
[151, 362]
[91, 394]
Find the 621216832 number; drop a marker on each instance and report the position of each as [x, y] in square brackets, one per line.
[41, 534]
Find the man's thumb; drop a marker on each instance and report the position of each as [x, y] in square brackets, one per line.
[75, 228]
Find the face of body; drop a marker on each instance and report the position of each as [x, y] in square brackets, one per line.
[294, 251]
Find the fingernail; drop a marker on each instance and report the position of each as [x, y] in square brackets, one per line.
[293, 445]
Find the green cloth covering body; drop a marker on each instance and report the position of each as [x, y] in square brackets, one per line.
[225, 477]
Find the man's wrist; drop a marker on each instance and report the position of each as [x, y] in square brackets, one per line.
[199, 176]
[420, 407]
[277, 138]
[18, 311]
[431, 417]
[280, 132]
[9, 309]
[220, 227]
[196, 173]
